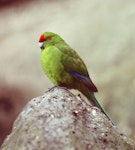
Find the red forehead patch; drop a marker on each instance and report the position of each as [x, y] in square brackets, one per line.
[41, 38]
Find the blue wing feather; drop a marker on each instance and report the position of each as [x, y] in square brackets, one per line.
[84, 79]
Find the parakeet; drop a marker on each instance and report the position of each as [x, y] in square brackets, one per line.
[64, 67]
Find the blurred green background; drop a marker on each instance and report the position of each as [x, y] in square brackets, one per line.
[102, 32]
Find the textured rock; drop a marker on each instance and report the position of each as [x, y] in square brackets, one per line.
[59, 120]
[12, 100]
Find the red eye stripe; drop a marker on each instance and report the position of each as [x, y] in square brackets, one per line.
[41, 38]
[49, 38]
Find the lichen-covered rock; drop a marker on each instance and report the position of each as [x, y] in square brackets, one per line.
[59, 120]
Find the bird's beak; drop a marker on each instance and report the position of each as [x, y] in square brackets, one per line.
[41, 45]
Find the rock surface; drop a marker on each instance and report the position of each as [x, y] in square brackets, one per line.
[59, 120]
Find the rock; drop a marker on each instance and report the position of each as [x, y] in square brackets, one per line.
[12, 100]
[59, 120]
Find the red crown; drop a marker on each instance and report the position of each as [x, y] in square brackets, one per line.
[41, 38]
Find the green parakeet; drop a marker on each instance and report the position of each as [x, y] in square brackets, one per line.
[65, 68]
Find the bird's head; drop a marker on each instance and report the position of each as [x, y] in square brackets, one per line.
[48, 39]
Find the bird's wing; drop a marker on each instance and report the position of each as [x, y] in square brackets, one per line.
[85, 80]
[76, 68]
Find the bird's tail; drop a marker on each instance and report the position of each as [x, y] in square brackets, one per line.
[91, 97]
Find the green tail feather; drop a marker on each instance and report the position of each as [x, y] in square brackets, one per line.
[91, 97]
[101, 108]
[95, 102]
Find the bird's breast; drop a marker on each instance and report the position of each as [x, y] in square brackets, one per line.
[51, 62]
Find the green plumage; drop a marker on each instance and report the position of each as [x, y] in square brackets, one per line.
[64, 67]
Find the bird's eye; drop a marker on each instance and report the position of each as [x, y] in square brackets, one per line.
[48, 39]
